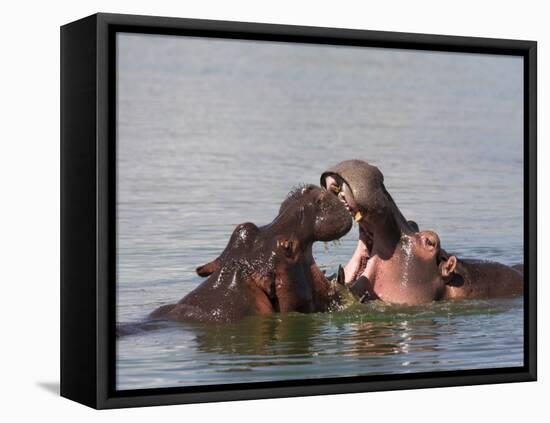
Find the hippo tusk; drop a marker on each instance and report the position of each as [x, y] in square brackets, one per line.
[341, 278]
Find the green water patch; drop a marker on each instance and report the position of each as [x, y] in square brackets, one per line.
[380, 311]
[374, 327]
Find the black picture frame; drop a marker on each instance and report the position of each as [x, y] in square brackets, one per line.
[88, 209]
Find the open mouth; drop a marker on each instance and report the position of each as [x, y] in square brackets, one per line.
[344, 194]
[356, 214]
[357, 265]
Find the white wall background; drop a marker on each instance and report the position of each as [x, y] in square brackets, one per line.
[29, 169]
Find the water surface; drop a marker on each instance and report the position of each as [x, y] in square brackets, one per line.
[212, 133]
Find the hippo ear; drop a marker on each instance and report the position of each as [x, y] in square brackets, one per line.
[208, 268]
[447, 266]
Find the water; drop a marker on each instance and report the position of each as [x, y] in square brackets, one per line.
[213, 133]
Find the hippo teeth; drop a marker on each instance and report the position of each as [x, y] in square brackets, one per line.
[358, 216]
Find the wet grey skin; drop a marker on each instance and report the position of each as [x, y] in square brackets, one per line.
[270, 268]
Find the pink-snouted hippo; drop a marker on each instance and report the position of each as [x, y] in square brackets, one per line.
[397, 263]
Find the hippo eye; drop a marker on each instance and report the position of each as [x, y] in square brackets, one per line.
[429, 242]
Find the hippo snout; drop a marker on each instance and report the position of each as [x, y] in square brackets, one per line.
[332, 220]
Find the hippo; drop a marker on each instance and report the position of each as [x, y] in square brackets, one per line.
[269, 269]
[396, 262]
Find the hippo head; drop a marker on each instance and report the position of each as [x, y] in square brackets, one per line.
[418, 272]
[318, 214]
[360, 187]
[275, 260]
[393, 261]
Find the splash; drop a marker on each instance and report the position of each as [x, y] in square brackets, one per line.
[407, 247]
[233, 283]
[219, 278]
[328, 245]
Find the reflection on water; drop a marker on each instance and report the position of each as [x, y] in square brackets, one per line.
[213, 133]
[364, 339]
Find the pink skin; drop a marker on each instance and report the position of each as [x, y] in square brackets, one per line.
[359, 259]
[396, 263]
[414, 274]
[373, 231]
[391, 262]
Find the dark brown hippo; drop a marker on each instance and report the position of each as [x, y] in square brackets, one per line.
[397, 263]
[269, 269]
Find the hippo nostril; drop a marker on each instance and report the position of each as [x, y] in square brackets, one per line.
[429, 239]
[430, 242]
